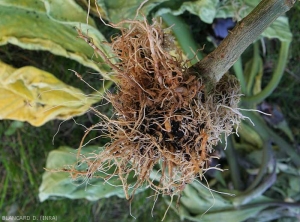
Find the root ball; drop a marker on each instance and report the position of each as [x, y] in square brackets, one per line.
[165, 119]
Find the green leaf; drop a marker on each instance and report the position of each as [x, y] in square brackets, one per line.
[249, 135]
[288, 169]
[118, 10]
[59, 184]
[197, 199]
[205, 9]
[279, 29]
[36, 25]
[236, 9]
[66, 11]
[294, 188]
[32, 95]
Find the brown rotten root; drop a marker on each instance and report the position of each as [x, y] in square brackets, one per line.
[165, 118]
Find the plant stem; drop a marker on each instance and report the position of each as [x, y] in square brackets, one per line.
[234, 167]
[218, 62]
[254, 68]
[238, 70]
[266, 157]
[246, 197]
[277, 74]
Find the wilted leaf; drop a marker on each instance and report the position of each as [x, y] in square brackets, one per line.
[59, 184]
[41, 26]
[229, 215]
[197, 203]
[32, 95]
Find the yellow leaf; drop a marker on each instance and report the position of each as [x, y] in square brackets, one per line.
[32, 95]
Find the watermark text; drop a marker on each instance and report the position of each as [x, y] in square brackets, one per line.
[29, 218]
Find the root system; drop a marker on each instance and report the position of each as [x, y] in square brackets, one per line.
[166, 122]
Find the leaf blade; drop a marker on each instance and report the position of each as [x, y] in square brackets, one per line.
[32, 95]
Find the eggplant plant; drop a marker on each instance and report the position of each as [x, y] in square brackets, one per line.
[176, 111]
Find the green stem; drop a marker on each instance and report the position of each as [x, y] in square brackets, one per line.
[233, 165]
[184, 37]
[246, 197]
[267, 154]
[254, 68]
[278, 73]
[238, 70]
